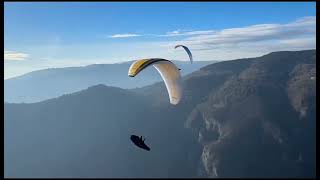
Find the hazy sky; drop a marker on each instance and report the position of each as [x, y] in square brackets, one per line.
[61, 34]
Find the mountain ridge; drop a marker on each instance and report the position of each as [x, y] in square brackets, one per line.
[48, 83]
[249, 118]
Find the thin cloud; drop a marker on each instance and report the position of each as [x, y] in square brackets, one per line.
[124, 35]
[187, 33]
[167, 34]
[304, 27]
[203, 39]
[249, 41]
[14, 56]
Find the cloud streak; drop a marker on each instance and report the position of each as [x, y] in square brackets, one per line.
[248, 41]
[187, 33]
[302, 31]
[302, 28]
[14, 56]
[124, 35]
[167, 34]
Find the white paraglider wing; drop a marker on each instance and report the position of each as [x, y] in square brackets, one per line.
[172, 79]
[168, 71]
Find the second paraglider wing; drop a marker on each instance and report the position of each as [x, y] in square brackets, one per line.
[187, 50]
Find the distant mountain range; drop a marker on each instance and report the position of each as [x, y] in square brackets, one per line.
[50, 83]
[253, 117]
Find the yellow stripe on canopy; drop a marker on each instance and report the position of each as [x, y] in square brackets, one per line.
[136, 66]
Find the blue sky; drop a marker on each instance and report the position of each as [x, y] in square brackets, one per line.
[61, 34]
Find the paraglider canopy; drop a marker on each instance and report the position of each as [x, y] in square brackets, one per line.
[168, 71]
[138, 141]
[187, 50]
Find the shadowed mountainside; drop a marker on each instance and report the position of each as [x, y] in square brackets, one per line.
[251, 117]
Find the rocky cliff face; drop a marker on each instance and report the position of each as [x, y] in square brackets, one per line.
[260, 121]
